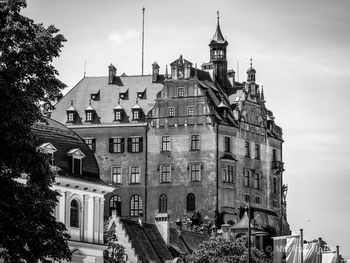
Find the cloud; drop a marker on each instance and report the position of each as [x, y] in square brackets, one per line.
[121, 37]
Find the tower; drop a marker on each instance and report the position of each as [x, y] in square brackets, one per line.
[218, 55]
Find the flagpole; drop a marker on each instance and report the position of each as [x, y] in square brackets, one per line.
[143, 35]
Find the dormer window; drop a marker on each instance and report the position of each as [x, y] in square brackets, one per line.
[136, 114]
[89, 116]
[76, 161]
[141, 95]
[136, 111]
[71, 113]
[95, 96]
[89, 113]
[118, 115]
[49, 149]
[180, 92]
[124, 94]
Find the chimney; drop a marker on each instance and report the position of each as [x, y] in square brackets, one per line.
[163, 225]
[112, 72]
[155, 71]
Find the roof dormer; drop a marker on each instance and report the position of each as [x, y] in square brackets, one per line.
[137, 113]
[72, 113]
[75, 161]
[48, 148]
[90, 113]
[118, 112]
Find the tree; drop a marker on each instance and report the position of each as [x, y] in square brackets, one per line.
[222, 249]
[28, 229]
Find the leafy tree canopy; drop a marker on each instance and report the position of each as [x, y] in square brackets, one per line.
[28, 229]
[222, 249]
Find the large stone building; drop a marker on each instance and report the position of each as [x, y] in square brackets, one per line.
[191, 139]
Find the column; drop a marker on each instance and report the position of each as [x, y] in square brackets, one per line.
[102, 200]
[95, 220]
[86, 218]
[67, 209]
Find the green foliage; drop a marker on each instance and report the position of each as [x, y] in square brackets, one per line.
[28, 229]
[226, 249]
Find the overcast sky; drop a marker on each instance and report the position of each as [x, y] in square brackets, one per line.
[300, 49]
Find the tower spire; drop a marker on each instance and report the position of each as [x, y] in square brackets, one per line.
[143, 34]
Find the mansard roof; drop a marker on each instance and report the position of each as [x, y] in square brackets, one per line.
[109, 94]
[66, 142]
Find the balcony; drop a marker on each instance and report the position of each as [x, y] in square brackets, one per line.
[277, 165]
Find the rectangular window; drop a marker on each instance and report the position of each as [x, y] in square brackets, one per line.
[195, 172]
[246, 197]
[165, 173]
[135, 114]
[89, 116]
[171, 112]
[257, 199]
[70, 116]
[91, 142]
[116, 145]
[195, 143]
[227, 144]
[117, 115]
[166, 145]
[190, 111]
[135, 175]
[224, 175]
[180, 92]
[117, 175]
[257, 181]
[230, 173]
[274, 155]
[246, 178]
[257, 152]
[247, 149]
[135, 144]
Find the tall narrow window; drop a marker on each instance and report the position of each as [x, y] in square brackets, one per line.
[91, 142]
[117, 174]
[247, 197]
[257, 180]
[195, 143]
[246, 178]
[166, 146]
[165, 174]
[171, 112]
[70, 116]
[89, 116]
[118, 115]
[275, 185]
[135, 205]
[227, 144]
[230, 173]
[116, 145]
[115, 204]
[247, 149]
[257, 152]
[134, 175]
[190, 111]
[180, 92]
[191, 202]
[257, 199]
[224, 175]
[74, 213]
[163, 203]
[195, 172]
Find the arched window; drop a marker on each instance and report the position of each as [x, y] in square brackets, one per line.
[74, 213]
[163, 203]
[115, 204]
[191, 202]
[135, 205]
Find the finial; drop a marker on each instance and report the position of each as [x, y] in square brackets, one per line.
[251, 62]
[195, 71]
[89, 102]
[218, 15]
[71, 102]
[137, 101]
[118, 100]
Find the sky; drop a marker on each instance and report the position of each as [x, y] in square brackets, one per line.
[300, 49]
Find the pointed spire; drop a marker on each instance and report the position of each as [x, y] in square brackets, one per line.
[166, 72]
[218, 37]
[262, 97]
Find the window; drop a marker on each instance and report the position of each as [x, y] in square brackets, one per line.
[135, 144]
[274, 155]
[191, 202]
[227, 144]
[257, 199]
[75, 159]
[117, 175]
[257, 181]
[247, 197]
[190, 111]
[134, 175]
[70, 116]
[257, 152]
[89, 116]
[116, 145]
[171, 112]
[275, 185]
[74, 213]
[115, 204]
[195, 143]
[135, 205]
[165, 173]
[136, 114]
[166, 145]
[230, 174]
[246, 178]
[224, 175]
[247, 149]
[118, 115]
[195, 172]
[274, 203]
[91, 142]
[180, 92]
[163, 200]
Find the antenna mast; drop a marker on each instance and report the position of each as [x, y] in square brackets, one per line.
[143, 34]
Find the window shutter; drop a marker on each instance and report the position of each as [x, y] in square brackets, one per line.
[122, 144]
[141, 144]
[110, 145]
[129, 145]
